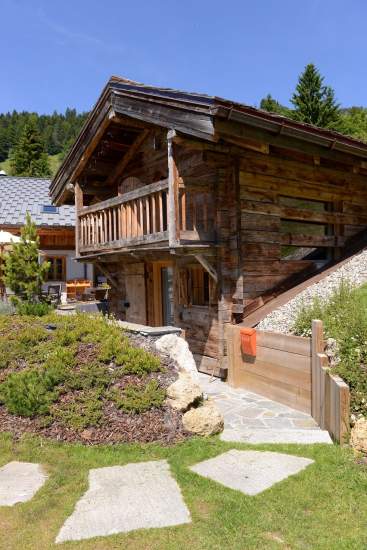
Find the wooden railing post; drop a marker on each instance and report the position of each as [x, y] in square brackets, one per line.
[317, 347]
[173, 191]
[78, 206]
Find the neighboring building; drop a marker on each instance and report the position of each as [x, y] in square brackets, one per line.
[200, 210]
[55, 225]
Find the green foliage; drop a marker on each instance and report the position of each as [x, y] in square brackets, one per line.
[271, 105]
[58, 131]
[139, 399]
[353, 122]
[31, 391]
[84, 411]
[66, 373]
[36, 309]
[131, 360]
[344, 316]
[29, 158]
[23, 273]
[314, 102]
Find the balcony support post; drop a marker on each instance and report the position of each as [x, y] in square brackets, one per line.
[173, 191]
[78, 193]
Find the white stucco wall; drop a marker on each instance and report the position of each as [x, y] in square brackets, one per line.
[74, 270]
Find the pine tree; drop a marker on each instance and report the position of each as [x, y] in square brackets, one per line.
[28, 157]
[313, 101]
[23, 273]
[270, 104]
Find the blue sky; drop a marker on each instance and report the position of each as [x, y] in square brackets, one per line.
[56, 54]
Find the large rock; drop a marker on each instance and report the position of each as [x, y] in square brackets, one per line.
[205, 420]
[184, 392]
[358, 436]
[178, 350]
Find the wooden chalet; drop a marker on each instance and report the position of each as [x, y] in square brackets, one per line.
[200, 210]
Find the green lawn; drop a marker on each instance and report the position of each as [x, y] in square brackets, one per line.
[323, 507]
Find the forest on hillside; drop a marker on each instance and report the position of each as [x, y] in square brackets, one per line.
[57, 131]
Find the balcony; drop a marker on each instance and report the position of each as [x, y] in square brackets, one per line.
[141, 217]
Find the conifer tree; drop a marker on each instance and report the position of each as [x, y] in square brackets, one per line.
[270, 104]
[313, 101]
[23, 273]
[28, 157]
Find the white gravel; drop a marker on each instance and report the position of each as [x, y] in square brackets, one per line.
[282, 319]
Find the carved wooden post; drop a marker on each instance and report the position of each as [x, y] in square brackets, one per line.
[78, 206]
[173, 190]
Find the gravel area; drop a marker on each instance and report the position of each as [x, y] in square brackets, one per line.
[282, 319]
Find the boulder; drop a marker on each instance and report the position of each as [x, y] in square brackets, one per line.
[184, 392]
[178, 350]
[205, 420]
[358, 436]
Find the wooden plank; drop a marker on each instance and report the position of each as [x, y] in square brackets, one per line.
[284, 342]
[128, 156]
[317, 343]
[78, 206]
[284, 374]
[284, 358]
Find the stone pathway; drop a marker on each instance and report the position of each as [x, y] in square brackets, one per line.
[124, 498]
[19, 482]
[145, 495]
[252, 418]
[250, 472]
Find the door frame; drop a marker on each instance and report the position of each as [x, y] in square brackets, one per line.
[157, 313]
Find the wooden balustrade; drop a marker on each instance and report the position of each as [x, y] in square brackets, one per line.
[141, 216]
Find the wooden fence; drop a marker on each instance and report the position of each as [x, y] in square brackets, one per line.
[330, 394]
[292, 370]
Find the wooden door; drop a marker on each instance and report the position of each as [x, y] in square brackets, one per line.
[160, 293]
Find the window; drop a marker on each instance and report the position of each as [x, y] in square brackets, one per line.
[310, 228]
[57, 271]
[50, 209]
[199, 286]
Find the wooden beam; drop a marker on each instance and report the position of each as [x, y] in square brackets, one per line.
[207, 266]
[119, 170]
[173, 191]
[108, 276]
[78, 206]
[91, 148]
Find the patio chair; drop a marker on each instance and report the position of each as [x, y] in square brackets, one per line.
[54, 294]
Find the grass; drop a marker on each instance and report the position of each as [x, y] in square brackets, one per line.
[323, 507]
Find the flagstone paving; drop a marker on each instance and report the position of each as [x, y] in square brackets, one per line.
[124, 498]
[250, 472]
[19, 482]
[252, 418]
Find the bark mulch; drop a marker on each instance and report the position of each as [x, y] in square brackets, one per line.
[162, 425]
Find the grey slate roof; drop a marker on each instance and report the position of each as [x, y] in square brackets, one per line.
[21, 194]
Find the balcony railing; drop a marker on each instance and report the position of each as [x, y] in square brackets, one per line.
[140, 217]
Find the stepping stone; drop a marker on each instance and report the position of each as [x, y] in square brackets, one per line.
[250, 472]
[124, 498]
[19, 482]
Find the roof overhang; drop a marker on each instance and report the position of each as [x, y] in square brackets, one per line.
[196, 115]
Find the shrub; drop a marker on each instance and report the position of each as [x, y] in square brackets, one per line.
[138, 399]
[30, 392]
[86, 410]
[88, 377]
[344, 316]
[36, 309]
